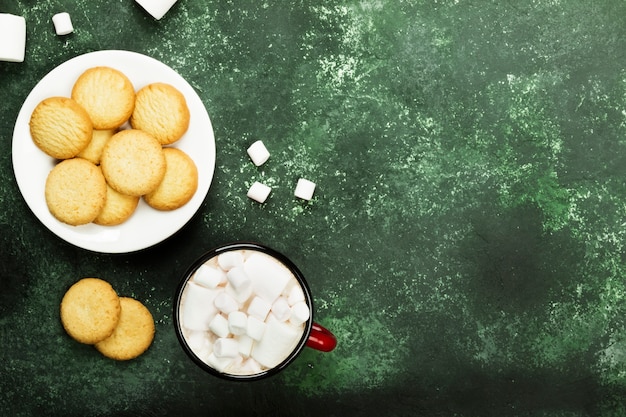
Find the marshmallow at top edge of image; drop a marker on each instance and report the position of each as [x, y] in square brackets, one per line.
[259, 192]
[12, 37]
[258, 153]
[157, 8]
[304, 189]
[62, 23]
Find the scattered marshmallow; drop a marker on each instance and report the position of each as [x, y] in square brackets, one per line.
[12, 37]
[157, 8]
[299, 313]
[259, 192]
[230, 259]
[226, 348]
[219, 326]
[225, 303]
[209, 276]
[281, 309]
[259, 308]
[238, 278]
[304, 189]
[62, 23]
[258, 153]
[256, 328]
[238, 323]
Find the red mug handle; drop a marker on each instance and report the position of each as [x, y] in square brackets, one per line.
[321, 338]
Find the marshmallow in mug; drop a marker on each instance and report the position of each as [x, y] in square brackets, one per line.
[261, 331]
[12, 37]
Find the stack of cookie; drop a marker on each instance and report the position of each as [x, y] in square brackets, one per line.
[113, 147]
[120, 328]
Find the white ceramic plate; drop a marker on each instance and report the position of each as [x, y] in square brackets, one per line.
[147, 226]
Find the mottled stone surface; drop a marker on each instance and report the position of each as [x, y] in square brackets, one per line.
[466, 238]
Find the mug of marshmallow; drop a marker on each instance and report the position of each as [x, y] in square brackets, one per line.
[243, 311]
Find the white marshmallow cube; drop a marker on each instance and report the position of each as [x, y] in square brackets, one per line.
[199, 343]
[304, 189]
[240, 296]
[62, 23]
[198, 309]
[239, 279]
[281, 309]
[258, 153]
[269, 278]
[256, 328]
[219, 326]
[295, 295]
[279, 340]
[299, 313]
[238, 323]
[12, 37]
[230, 259]
[225, 303]
[157, 8]
[220, 364]
[251, 367]
[259, 308]
[259, 192]
[245, 345]
[208, 276]
[226, 348]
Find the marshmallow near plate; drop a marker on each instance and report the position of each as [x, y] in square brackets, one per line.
[157, 8]
[62, 23]
[12, 37]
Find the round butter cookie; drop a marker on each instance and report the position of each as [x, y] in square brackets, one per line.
[133, 334]
[106, 94]
[60, 127]
[179, 183]
[161, 110]
[133, 162]
[75, 191]
[93, 151]
[90, 310]
[117, 208]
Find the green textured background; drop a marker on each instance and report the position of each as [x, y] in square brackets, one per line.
[466, 238]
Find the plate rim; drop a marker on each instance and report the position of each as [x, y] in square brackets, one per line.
[84, 236]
